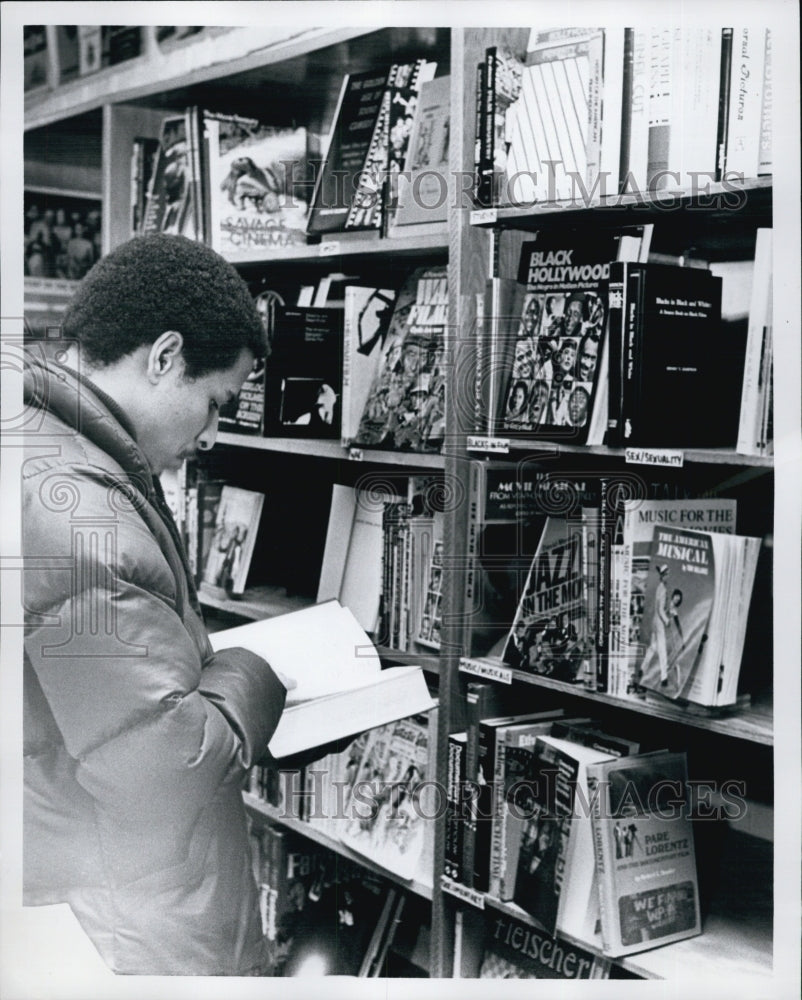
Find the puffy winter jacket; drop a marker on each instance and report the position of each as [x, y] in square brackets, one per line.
[137, 736]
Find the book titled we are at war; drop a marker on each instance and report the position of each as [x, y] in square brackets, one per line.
[339, 687]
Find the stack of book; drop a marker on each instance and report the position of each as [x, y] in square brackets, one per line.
[590, 112]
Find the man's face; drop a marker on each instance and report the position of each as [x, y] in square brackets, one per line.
[182, 415]
[587, 359]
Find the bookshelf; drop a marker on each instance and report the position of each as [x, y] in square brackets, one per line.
[233, 69]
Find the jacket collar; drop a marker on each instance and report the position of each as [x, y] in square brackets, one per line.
[80, 404]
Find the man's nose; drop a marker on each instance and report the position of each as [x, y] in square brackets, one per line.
[208, 435]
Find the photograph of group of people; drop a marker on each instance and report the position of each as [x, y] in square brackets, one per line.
[62, 235]
[554, 365]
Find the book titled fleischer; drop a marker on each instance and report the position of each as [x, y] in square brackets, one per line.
[340, 688]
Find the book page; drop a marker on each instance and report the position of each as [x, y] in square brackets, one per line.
[322, 648]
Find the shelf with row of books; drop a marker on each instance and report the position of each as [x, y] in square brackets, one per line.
[334, 450]
[715, 223]
[752, 722]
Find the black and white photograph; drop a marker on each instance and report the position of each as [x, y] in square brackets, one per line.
[400, 499]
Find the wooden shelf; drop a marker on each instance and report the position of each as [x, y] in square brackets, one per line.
[348, 245]
[754, 724]
[256, 603]
[319, 448]
[419, 888]
[717, 199]
[726, 949]
[500, 446]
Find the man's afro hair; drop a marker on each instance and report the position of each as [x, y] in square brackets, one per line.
[156, 283]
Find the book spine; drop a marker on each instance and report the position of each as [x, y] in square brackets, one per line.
[595, 104]
[475, 517]
[637, 113]
[759, 309]
[603, 868]
[497, 829]
[476, 699]
[630, 359]
[660, 45]
[452, 861]
[723, 101]
[603, 591]
[482, 420]
[485, 193]
[765, 163]
[615, 311]
[479, 153]
[626, 104]
[746, 97]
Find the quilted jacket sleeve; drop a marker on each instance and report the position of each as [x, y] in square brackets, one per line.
[156, 727]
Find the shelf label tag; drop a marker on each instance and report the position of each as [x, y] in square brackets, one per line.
[484, 216]
[356, 454]
[493, 445]
[488, 670]
[462, 892]
[669, 459]
[330, 248]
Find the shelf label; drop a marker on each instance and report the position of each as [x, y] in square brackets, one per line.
[484, 216]
[330, 248]
[488, 670]
[462, 892]
[655, 456]
[356, 454]
[492, 445]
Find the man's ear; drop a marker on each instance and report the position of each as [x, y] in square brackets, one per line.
[164, 354]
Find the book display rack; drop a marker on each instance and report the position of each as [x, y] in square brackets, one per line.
[451, 508]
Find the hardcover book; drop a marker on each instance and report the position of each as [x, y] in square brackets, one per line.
[254, 183]
[303, 375]
[168, 207]
[367, 316]
[644, 850]
[558, 351]
[405, 408]
[334, 696]
[555, 875]
[501, 88]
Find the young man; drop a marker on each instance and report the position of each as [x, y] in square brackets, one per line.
[136, 736]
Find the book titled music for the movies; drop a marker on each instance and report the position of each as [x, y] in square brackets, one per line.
[644, 849]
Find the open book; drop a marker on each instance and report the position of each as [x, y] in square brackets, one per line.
[340, 689]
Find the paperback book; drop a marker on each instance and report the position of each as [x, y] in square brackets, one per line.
[550, 634]
[231, 546]
[422, 188]
[303, 375]
[644, 850]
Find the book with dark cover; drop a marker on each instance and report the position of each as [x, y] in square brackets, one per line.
[168, 206]
[360, 104]
[550, 631]
[682, 376]
[553, 379]
[35, 66]
[455, 826]
[405, 406]
[253, 184]
[303, 375]
[644, 850]
[503, 72]
[476, 789]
